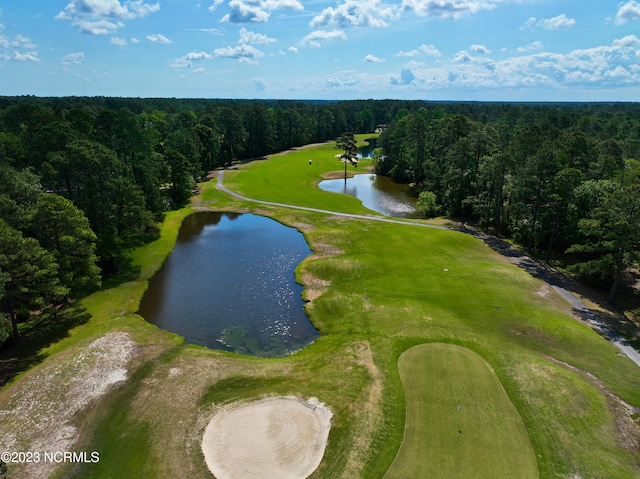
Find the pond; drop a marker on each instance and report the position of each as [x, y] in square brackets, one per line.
[229, 284]
[378, 193]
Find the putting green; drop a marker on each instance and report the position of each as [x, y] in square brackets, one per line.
[460, 422]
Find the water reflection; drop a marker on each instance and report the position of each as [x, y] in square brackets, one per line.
[378, 193]
[229, 284]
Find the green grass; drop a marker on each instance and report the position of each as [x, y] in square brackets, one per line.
[289, 178]
[384, 290]
[459, 423]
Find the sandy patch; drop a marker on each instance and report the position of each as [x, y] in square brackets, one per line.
[275, 438]
[314, 287]
[334, 175]
[38, 416]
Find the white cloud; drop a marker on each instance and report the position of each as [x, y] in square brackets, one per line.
[121, 42]
[313, 37]
[158, 38]
[100, 17]
[598, 68]
[630, 11]
[256, 38]
[342, 79]
[406, 77]
[186, 62]
[282, 5]
[198, 56]
[481, 49]
[628, 41]
[447, 8]
[412, 53]
[181, 63]
[462, 57]
[355, 13]
[107, 9]
[430, 50]
[100, 27]
[73, 58]
[21, 41]
[293, 49]
[215, 31]
[215, 5]
[537, 45]
[134, 40]
[373, 59]
[25, 57]
[243, 11]
[242, 53]
[530, 24]
[556, 23]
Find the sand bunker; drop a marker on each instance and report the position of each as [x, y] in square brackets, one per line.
[275, 438]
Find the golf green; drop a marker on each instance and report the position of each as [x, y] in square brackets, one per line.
[459, 421]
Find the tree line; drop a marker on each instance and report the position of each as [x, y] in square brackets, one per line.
[560, 180]
[83, 180]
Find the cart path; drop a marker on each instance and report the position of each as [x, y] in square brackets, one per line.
[384, 219]
[589, 316]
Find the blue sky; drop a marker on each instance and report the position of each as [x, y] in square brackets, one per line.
[512, 50]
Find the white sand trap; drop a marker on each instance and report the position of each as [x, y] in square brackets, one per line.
[275, 438]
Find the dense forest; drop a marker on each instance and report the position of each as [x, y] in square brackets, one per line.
[85, 179]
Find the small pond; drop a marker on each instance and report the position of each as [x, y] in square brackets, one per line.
[378, 193]
[229, 284]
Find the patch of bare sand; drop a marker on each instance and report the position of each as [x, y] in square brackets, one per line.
[314, 287]
[274, 438]
[38, 416]
[368, 413]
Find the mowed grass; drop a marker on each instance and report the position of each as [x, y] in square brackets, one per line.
[460, 422]
[377, 290]
[291, 178]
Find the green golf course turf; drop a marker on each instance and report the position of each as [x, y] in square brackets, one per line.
[459, 423]
[414, 322]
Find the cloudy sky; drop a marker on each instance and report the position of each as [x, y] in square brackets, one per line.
[515, 50]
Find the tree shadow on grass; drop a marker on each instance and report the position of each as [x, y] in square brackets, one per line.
[127, 271]
[41, 331]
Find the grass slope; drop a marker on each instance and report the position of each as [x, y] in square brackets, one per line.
[460, 423]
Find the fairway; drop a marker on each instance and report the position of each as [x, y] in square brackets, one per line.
[540, 394]
[459, 422]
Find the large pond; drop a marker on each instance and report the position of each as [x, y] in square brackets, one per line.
[378, 193]
[229, 284]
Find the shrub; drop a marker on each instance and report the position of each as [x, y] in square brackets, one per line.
[427, 204]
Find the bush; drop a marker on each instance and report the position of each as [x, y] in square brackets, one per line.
[427, 204]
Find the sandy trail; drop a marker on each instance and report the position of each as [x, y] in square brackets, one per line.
[275, 438]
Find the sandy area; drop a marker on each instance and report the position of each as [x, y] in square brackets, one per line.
[39, 414]
[275, 438]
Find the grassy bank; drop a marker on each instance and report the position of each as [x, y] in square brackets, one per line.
[376, 290]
